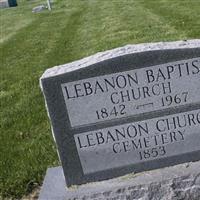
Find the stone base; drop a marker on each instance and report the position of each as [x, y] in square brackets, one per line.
[170, 183]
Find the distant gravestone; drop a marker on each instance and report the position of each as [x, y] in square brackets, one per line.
[38, 9]
[4, 4]
[8, 3]
[12, 3]
[130, 109]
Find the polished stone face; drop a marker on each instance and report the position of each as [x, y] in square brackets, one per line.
[126, 112]
[138, 142]
[133, 92]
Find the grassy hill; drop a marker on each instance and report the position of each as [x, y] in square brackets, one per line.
[31, 42]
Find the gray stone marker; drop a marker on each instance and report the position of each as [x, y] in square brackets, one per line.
[38, 9]
[4, 4]
[130, 109]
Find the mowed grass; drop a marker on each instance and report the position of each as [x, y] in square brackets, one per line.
[32, 42]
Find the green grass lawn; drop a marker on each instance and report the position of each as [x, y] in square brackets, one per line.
[31, 43]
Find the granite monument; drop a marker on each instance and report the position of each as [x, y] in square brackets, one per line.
[130, 109]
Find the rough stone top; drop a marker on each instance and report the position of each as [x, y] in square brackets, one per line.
[128, 49]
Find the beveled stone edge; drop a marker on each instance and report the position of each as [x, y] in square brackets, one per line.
[128, 49]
